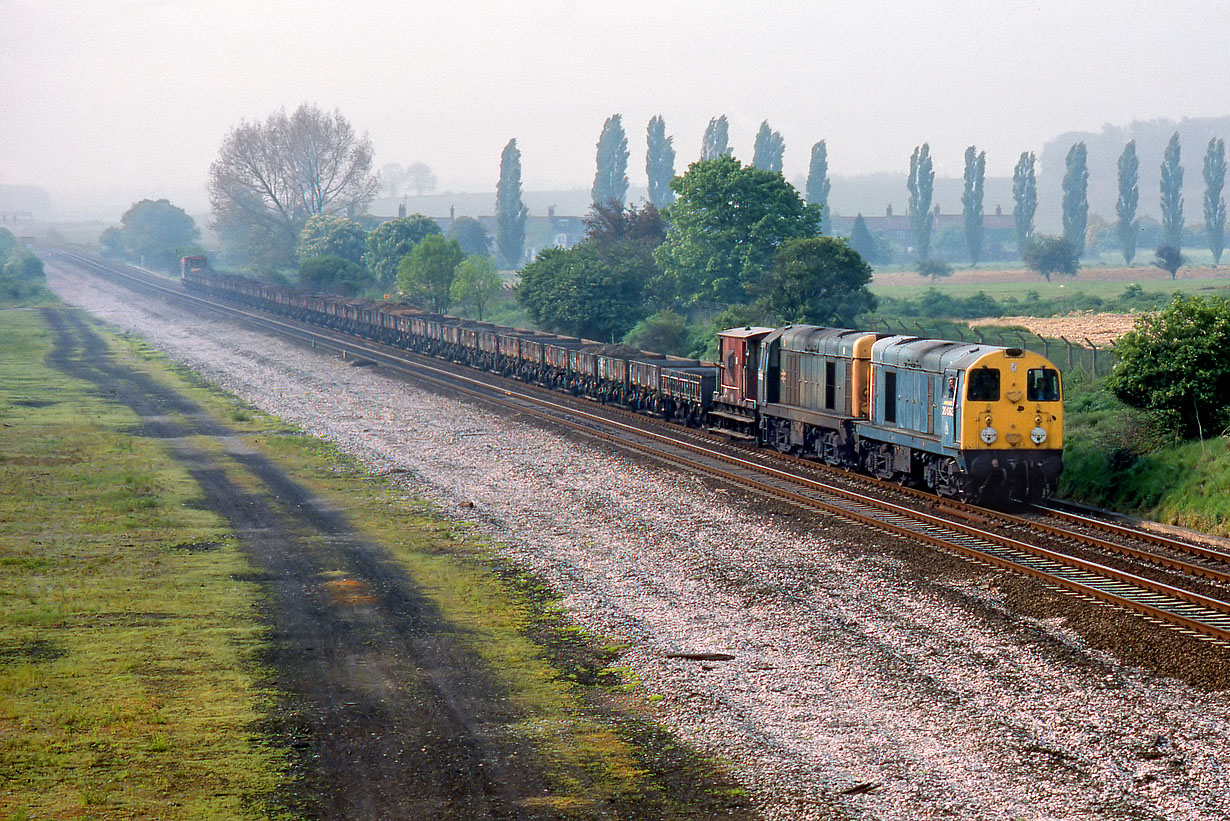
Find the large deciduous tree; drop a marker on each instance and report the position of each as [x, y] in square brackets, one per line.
[392, 240]
[1076, 197]
[716, 142]
[725, 229]
[578, 291]
[1172, 193]
[819, 281]
[971, 201]
[1025, 200]
[659, 163]
[818, 184]
[426, 276]
[921, 183]
[154, 232]
[270, 177]
[1129, 197]
[510, 212]
[769, 149]
[1173, 364]
[611, 177]
[1214, 204]
[327, 235]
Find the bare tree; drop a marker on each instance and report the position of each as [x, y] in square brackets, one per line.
[270, 177]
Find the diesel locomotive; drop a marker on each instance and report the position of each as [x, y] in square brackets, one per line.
[969, 421]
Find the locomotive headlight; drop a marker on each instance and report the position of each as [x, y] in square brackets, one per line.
[989, 435]
[1037, 435]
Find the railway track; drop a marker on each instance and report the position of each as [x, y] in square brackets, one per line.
[1057, 547]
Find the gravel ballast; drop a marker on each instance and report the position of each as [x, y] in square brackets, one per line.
[855, 687]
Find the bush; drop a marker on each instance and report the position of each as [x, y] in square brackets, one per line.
[1173, 365]
[332, 275]
[22, 276]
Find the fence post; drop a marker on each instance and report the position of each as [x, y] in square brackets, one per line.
[978, 334]
[1046, 346]
[1095, 357]
[1069, 344]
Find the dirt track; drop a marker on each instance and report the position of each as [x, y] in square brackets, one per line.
[388, 719]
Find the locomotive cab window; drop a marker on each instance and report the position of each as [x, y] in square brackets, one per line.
[1042, 385]
[984, 385]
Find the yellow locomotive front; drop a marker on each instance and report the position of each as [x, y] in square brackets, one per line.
[1006, 407]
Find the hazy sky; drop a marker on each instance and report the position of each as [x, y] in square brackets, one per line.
[137, 95]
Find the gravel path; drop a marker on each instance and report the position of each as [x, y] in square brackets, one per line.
[849, 669]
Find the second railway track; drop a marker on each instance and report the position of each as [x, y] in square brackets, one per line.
[1199, 607]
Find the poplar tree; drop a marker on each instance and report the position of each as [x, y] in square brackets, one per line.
[1172, 194]
[971, 201]
[611, 178]
[921, 183]
[1214, 205]
[510, 212]
[1025, 199]
[1076, 198]
[1129, 198]
[659, 163]
[769, 149]
[818, 180]
[717, 139]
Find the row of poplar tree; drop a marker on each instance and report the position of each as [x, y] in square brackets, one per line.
[611, 184]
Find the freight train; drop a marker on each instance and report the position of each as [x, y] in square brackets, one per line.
[969, 421]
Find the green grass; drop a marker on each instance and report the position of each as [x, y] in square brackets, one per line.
[1115, 458]
[128, 686]
[1060, 287]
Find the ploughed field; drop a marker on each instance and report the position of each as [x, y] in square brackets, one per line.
[841, 673]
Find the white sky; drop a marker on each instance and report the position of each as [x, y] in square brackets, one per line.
[137, 95]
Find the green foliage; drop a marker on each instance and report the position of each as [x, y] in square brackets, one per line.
[818, 184]
[154, 233]
[611, 178]
[921, 183]
[769, 149]
[476, 284]
[578, 292]
[510, 212]
[1169, 258]
[21, 276]
[332, 275]
[716, 142]
[1214, 205]
[725, 229]
[1052, 255]
[971, 201]
[664, 332]
[1129, 198]
[1075, 199]
[818, 281]
[659, 163]
[1025, 200]
[471, 236]
[426, 275]
[327, 235]
[393, 240]
[1172, 193]
[934, 268]
[1173, 365]
[8, 243]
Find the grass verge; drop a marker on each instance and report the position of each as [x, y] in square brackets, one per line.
[127, 681]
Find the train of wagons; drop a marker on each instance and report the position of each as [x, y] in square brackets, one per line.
[975, 422]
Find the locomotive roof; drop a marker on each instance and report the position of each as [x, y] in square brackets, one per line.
[929, 354]
[746, 332]
[818, 339]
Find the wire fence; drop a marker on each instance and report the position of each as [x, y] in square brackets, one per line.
[1067, 354]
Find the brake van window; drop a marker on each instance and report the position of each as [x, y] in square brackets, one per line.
[983, 385]
[1042, 385]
